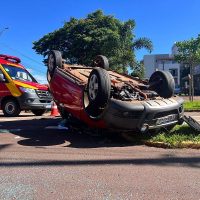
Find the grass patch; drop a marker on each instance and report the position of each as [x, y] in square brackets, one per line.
[189, 105]
[178, 137]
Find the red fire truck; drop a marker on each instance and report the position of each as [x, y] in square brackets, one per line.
[19, 90]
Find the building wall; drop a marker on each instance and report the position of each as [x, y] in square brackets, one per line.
[161, 62]
[149, 65]
[174, 68]
[167, 62]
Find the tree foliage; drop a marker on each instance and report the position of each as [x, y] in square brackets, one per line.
[189, 54]
[139, 70]
[81, 40]
[189, 51]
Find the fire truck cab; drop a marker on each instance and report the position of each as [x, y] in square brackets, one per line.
[19, 90]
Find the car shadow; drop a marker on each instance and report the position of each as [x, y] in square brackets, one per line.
[45, 132]
[35, 133]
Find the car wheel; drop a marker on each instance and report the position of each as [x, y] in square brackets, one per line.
[163, 83]
[38, 112]
[11, 108]
[101, 61]
[99, 87]
[54, 60]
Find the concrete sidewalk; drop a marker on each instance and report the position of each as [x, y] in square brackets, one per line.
[194, 115]
[24, 116]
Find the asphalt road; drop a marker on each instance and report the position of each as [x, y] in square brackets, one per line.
[39, 161]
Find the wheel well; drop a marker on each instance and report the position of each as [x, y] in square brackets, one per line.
[9, 98]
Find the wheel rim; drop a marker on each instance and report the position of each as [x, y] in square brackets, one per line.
[10, 108]
[93, 87]
[51, 62]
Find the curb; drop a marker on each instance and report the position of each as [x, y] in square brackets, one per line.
[188, 144]
[193, 110]
[157, 144]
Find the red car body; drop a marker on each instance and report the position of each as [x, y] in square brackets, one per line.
[70, 95]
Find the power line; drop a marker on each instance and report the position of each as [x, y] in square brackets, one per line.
[22, 54]
[28, 66]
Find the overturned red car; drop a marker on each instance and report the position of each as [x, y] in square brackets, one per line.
[102, 98]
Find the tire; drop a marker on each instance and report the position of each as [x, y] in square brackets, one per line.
[163, 83]
[38, 112]
[11, 108]
[99, 87]
[101, 61]
[54, 60]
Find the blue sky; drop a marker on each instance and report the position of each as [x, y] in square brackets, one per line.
[164, 22]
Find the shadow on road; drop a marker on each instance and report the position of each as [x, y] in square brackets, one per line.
[193, 162]
[36, 133]
[33, 133]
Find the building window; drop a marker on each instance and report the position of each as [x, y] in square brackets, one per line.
[174, 72]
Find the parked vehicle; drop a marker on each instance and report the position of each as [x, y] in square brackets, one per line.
[102, 98]
[19, 90]
[177, 90]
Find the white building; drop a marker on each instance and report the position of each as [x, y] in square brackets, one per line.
[164, 62]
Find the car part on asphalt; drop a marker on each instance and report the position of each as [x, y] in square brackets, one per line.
[192, 123]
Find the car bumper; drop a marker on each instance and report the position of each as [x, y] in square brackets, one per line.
[29, 101]
[151, 114]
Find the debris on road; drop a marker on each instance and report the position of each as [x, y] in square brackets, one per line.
[192, 123]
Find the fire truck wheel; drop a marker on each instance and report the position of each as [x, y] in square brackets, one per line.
[101, 61]
[54, 60]
[38, 112]
[11, 108]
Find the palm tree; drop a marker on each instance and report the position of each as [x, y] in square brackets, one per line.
[143, 43]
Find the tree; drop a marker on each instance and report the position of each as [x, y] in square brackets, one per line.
[139, 70]
[81, 40]
[189, 53]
